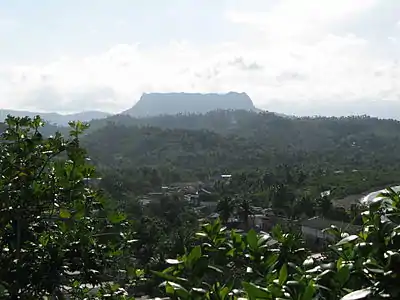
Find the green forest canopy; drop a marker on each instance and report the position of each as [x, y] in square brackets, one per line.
[59, 237]
[363, 151]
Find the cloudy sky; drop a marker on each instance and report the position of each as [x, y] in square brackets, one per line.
[332, 57]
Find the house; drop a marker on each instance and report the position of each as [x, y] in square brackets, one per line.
[219, 178]
[214, 216]
[209, 204]
[258, 222]
[192, 199]
[313, 230]
[146, 200]
[266, 222]
[94, 182]
[268, 219]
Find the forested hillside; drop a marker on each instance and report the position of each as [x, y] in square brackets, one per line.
[193, 147]
[63, 238]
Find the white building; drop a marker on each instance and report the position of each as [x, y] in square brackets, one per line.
[313, 230]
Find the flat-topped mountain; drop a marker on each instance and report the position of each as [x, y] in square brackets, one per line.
[55, 118]
[154, 104]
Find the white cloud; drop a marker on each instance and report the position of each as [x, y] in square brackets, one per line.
[300, 20]
[288, 58]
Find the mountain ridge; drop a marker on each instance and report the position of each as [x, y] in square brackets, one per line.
[153, 104]
[56, 118]
[150, 105]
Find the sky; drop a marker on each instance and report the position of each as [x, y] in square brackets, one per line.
[303, 57]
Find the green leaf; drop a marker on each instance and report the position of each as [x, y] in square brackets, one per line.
[230, 252]
[194, 255]
[264, 239]
[3, 290]
[252, 239]
[201, 234]
[44, 239]
[214, 268]
[271, 259]
[309, 292]
[169, 277]
[116, 218]
[65, 214]
[169, 289]
[374, 267]
[283, 274]
[255, 292]
[223, 293]
[172, 288]
[339, 263]
[347, 240]
[356, 295]
[173, 261]
[309, 262]
[343, 274]
[199, 290]
[332, 230]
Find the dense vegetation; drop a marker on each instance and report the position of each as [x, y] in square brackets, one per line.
[227, 265]
[56, 234]
[60, 235]
[350, 155]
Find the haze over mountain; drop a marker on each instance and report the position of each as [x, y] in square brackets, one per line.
[150, 105]
[55, 118]
[153, 104]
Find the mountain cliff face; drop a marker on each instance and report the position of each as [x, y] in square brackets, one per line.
[55, 118]
[154, 104]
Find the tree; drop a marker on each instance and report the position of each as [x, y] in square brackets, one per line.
[282, 197]
[56, 232]
[245, 211]
[304, 205]
[324, 205]
[228, 265]
[225, 208]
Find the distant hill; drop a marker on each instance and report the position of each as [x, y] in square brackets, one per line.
[55, 118]
[350, 142]
[218, 142]
[222, 121]
[154, 104]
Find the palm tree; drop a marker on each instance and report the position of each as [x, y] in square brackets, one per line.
[282, 197]
[225, 208]
[245, 211]
[304, 206]
[324, 205]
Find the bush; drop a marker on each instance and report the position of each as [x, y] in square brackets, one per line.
[57, 237]
[228, 265]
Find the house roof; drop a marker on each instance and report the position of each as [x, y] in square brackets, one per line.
[321, 223]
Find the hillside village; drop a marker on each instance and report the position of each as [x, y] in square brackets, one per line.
[201, 198]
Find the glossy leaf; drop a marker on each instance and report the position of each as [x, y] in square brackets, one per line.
[283, 274]
[252, 239]
[357, 295]
[348, 239]
[255, 292]
[65, 214]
